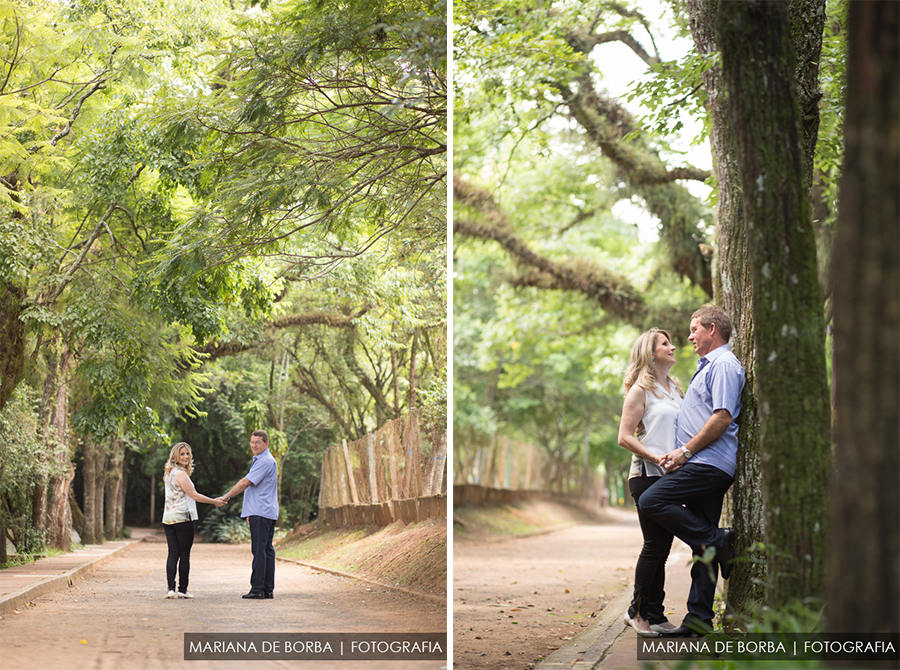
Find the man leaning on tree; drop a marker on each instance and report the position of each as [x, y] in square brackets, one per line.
[687, 501]
[260, 508]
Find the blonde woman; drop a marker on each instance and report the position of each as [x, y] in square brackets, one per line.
[647, 430]
[179, 516]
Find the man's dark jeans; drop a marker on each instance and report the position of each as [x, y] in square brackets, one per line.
[262, 577]
[688, 503]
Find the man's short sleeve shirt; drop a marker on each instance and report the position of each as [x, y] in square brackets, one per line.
[261, 497]
[717, 384]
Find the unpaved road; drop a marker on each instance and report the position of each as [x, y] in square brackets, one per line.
[517, 600]
[118, 618]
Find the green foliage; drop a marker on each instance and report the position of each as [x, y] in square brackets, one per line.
[674, 92]
[24, 459]
[223, 526]
[26, 462]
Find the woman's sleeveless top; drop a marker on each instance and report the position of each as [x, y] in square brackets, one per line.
[179, 505]
[659, 429]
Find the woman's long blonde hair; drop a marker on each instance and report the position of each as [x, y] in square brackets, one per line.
[641, 366]
[173, 459]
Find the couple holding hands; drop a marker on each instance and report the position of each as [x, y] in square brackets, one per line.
[684, 448]
[260, 508]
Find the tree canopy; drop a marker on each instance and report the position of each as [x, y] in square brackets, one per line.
[186, 185]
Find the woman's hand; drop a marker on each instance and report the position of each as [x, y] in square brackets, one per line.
[218, 502]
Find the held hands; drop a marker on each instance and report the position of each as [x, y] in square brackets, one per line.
[673, 460]
[220, 502]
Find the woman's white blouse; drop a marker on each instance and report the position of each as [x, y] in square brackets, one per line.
[659, 426]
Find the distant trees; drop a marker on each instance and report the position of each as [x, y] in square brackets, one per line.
[175, 189]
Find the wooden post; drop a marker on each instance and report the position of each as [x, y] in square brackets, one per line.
[152, 499]
[529, 458]
[354, 497]
[373, 481]
[392, 456]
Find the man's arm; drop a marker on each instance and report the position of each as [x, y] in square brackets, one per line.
[237, 489]
[712, 429]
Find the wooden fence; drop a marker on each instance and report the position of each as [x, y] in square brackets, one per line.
[508, 471]
[397, 473]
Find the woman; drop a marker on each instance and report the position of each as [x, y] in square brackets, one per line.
[179, 516]
[647, 429]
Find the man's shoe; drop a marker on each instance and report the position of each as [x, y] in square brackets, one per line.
[185, 594]
[681, 631]
[269, 596]
[170, 594]
[725, 554]
[253, 596]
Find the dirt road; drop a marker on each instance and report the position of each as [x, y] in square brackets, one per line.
[517, 600]
[118, 618]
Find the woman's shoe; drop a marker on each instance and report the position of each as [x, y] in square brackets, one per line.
[643, 633]
[170, 594]
[185, 595]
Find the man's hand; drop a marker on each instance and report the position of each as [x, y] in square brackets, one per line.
[673, 460]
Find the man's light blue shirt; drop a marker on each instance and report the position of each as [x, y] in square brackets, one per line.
[261, 497]
[717, 384]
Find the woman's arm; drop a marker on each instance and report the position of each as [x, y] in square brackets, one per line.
[632, 413]
[188, 487]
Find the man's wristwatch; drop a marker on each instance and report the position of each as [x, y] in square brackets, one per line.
[687, 453]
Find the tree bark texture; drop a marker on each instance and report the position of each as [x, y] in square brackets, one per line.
[94, 484]
[114, 469]
[59, 511]
[758, 64]
[734, 293]
[12, 338]
[864, 573]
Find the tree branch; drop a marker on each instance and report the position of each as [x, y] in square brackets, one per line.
[615, 294]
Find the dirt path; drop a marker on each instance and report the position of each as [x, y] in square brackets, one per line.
[117, 617]
[517, 600]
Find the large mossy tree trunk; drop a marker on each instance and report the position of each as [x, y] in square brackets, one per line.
[864, 573]
[793, 398]
[734, 293]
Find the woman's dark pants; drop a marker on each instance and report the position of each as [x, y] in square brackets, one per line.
[180, 537]
[650, 572]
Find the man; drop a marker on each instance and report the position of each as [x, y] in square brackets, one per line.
[260, 488]
[687, 501]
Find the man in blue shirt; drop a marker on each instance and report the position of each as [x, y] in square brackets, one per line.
[260, 508]
[687, 501]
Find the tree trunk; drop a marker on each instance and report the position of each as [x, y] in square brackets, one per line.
[94, 485]
[12, 338]
[114, 465]
[77, 515]
[59, 513]
[864, 574]
[734, 293]
[413, 352]
[758, 64]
